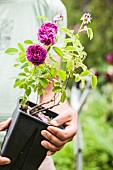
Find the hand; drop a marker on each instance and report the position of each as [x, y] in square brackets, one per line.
[56, 137]
[4, 125]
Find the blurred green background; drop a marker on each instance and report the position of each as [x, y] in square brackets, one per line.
[97, 113]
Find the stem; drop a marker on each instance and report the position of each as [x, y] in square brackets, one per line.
[43, 109]
[52, 100]
[80, 27]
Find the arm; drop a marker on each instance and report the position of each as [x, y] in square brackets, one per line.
[4, 125]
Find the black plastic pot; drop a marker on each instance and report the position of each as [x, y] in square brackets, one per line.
[22, 143]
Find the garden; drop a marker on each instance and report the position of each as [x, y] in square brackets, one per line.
[96, 116]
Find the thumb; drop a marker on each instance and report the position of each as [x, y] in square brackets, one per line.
[61, 119]
[5, 124]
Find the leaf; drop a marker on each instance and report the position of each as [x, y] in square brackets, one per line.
[85, 73]
[43, 82]
[28, 42]
[22, 57]
[62, 75]
[90, 33]
[93, 80]
[77, 78]
[70, 48]
[43, 17]
[21, 47]
[11, 51]
[70, 65]
[24, 65]
[28, 91]
[53, 71]
[22, 74]
[58, 51]
[16, 65]
[56, 89]
[63, 96]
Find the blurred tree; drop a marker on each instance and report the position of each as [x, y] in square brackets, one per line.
[102, 24]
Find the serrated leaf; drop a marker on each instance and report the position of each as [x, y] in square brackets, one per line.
[11, 51]
[58, 51]
[62, 75]
[90, 33]
[63, 97]
[93, 80]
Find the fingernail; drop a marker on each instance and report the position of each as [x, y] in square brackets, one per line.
[54, 122]
[8, 161]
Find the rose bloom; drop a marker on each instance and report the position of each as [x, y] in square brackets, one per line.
[47, 33]
[109, 58]
[36, 54]
[58, 17]
[86, 18]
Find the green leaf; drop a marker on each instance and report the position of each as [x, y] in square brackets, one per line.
[90, 33]
[43, 17]
[28, 91]
[22, 57]
[62, 75]
[22, 74]
[85, 73]
[53, 71]
[58, 51]
[77, 78]
[21, 47]
[17, 83]
[24, 65]
[63, 96]
[26, 70]
[16, 65]
[11, 51]
[43, 82]
[70, 65]
[28, 42]
[56, 89]
[70, 48]
[93, 80]
[41, 91]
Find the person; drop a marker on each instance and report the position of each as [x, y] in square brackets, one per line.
[18, 22]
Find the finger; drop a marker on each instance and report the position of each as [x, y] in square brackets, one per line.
[4, 125]
[67, 134]
[53, 139]
[61, 119]
[49, 153]
[4, 160]
[50, 146]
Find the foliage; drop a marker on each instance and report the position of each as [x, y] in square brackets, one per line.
[36, 72]
[64, 160]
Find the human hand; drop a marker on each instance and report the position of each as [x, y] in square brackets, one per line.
[56, 137]
[4, 125]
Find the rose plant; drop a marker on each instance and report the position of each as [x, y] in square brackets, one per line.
[38, 67]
